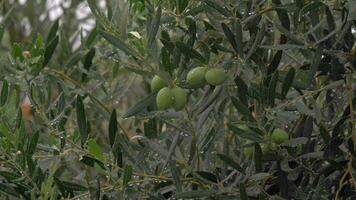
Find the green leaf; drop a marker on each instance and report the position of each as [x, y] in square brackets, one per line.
[154, 28]
[315, 64]
[150, 128]
[52, 32]
[91, 37]
[118, 43]
[272, 88]
[295, 142]
[287, 83]
[247, 134]
[229, 161]
[189, 51]
[17, 52]
[181, 5]
[175, 174]
[139, 106]
[230, 36]
[239, 37]
[81, 120]
[31, 148]
[243, 194]
[90, 161]
[88, 61]
[242, 108]
[309, 7]
[4, 93]
[95, 150]
[257, 157]
[195, 194]
[7, 189]
[73, 186]
[2, 31]
[127, 175]
[50, 50]
[218, 8]
[112, 127]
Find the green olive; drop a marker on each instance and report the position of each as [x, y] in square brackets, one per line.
[265, 149]
[279, 136]
[157, 83]
[196, 77]
[180, 98]
[164, 98]
[215, 76]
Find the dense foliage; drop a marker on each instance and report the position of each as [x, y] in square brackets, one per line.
[178, 99]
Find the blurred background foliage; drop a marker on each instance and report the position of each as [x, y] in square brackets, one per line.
[78, 119]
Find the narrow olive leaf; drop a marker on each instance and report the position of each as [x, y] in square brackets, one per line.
[81, 120]
[230, 36]
[95, 9]
[207, 176]
[91, 161]
[272, 88]
[243, 194]
[309, 7]
[2, 31]
[229, 161]
[118, 43]
[140, 106]
[152, 32]
[194, 11]
[127, 175]
[287, 83]
[4, 93]
[295, 142]
[31, 148]
[247, 134]
[315, 64]
[150, 128]
[73, 186]
[95, 149]
[175, 174]
[189, 51]
[242, 89]
[239, 37]
[258, 39]
[181, 5]
[91, 37]
[112, 127]
[88, 61]
[282, 15]
[288, 34]
[275, 62]
[7, 189]
[195, 194]
[257, 157]
[50, 50]
[241, 108]
[17, 52]
[324, 134]
[52, 32]
[218, 8]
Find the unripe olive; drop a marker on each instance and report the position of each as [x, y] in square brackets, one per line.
[180, 98]
[279, 136]
[265, 149]
[164, 98]
[157, 83]
[215, 76]
[196, 77]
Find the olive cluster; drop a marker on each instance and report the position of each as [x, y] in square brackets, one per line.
[278, 136]
[176, 97]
